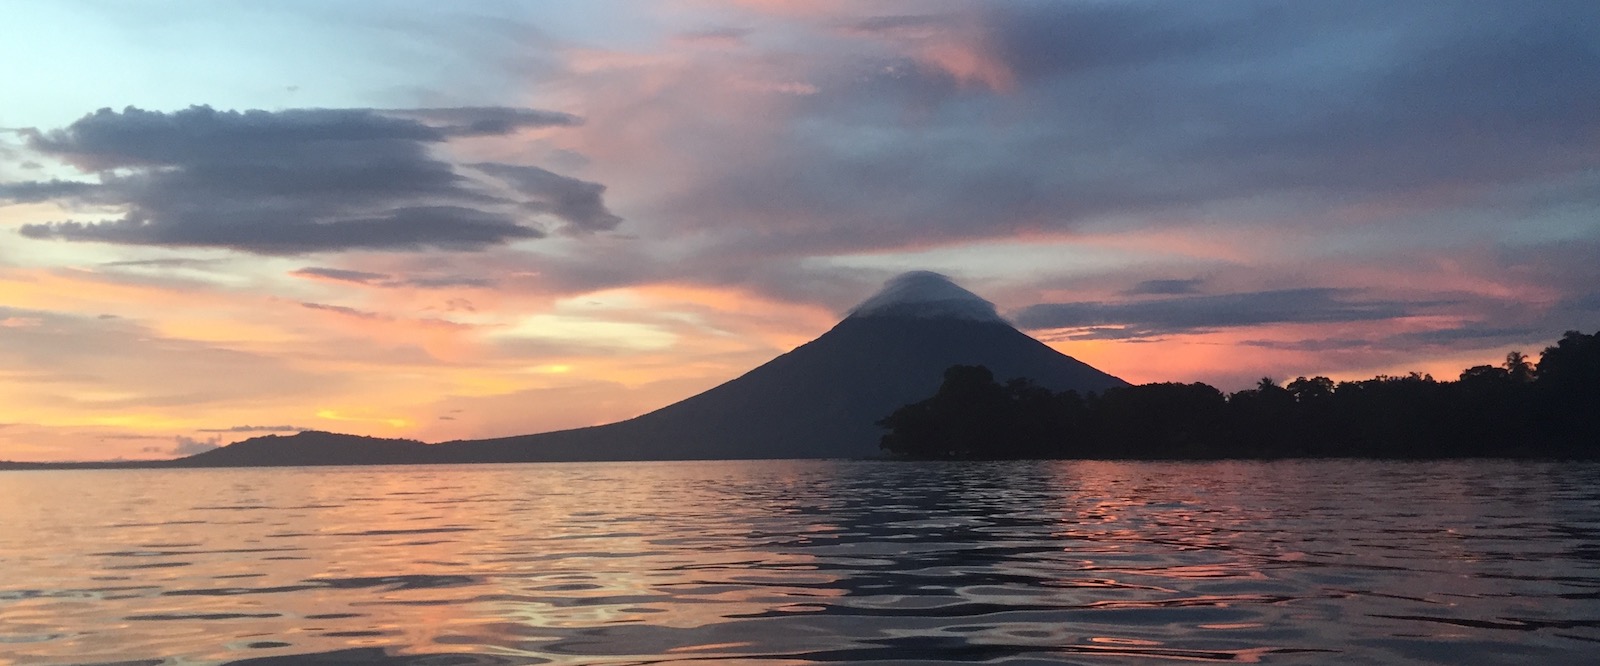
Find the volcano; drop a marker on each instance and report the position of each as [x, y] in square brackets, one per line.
[823, 399]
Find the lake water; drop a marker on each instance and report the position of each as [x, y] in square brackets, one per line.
[795, 562]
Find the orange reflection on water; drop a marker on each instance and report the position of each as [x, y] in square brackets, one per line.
[794, 561]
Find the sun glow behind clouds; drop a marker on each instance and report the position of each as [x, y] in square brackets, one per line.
[733, 176]
[585, 331]
[336, 415]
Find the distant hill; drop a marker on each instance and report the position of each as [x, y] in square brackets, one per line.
[312, 447]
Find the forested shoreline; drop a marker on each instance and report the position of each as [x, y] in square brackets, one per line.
[1548, 409]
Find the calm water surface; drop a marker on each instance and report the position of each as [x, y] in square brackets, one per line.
[805, 562]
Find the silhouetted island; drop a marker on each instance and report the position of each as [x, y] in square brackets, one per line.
[1517, 409]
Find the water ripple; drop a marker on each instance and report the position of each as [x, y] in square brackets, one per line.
[804, 562]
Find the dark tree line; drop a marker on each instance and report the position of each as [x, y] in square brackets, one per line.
[1517, 409]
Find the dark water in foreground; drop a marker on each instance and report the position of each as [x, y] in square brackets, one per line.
[804, 562]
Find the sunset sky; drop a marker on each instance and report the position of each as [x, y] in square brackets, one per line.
[458, 220]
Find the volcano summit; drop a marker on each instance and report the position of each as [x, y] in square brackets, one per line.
[821, 400]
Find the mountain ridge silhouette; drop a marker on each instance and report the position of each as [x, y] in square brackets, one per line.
[821, 400]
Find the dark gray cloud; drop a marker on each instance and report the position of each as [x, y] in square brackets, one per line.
[442, 281]
[1145, 318]
[36, 191]
[299, 181]
[1312, 345]
[386, 280]
[199, 134]
[890, 24]
[577, 202]
[1589, 301]
[1476, 335]
[485, 121]
[1166, 287]
[1045, 40]
[1470, 335]
[414, 228]
[168, 262]
[341, 275]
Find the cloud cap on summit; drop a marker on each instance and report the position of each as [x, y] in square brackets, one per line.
[926, 294]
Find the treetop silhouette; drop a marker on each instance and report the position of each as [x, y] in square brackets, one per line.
[1516, 409]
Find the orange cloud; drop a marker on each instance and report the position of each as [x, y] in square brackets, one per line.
[969, 64]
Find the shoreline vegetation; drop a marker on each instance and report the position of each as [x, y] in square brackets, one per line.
[1518, 409]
